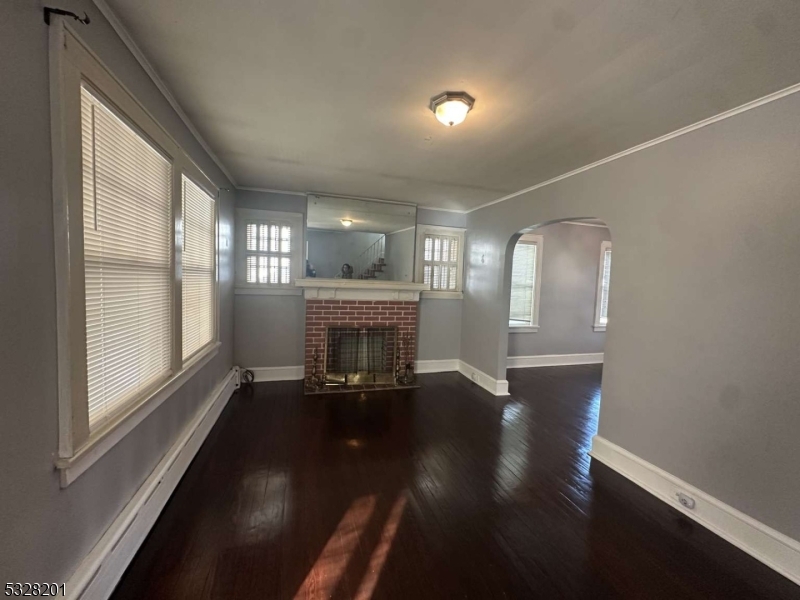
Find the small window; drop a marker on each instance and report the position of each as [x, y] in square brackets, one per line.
[603, 283]
[526, 272]
[269, 250]
[439, 259]
[440, 262]
[199, 268]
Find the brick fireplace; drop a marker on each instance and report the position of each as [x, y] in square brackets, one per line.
[361, 310]
[361, 314]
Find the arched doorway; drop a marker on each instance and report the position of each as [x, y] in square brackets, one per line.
[558, 284]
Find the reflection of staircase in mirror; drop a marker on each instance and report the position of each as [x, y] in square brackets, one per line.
[371, 263]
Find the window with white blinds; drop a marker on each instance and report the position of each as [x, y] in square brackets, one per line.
[127, 260]
[440, 262]
[603, 284]
[133, 272]
[269, 252]
[198, 260]
[523, 283]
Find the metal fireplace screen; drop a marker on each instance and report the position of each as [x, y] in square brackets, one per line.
[354, 355]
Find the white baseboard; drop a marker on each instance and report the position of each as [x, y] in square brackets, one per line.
[498, 387]
[437, 366]
[553, 360]
[278, 373]
[771, 547]
[102, 568]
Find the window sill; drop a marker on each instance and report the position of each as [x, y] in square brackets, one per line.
[441, 295]
[518, 329]
[599, 327]
[107, 437]
[287, 291]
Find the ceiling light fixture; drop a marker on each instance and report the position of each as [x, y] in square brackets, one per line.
[346, 222]
[451, 108]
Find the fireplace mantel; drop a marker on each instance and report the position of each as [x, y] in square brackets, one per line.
[315, 288]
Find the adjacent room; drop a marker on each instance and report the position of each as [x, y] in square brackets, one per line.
[316, 299]
[559, 290]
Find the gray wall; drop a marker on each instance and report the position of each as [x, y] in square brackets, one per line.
[269, 329]
[329, 250]
[400, 255]
[701, 372]
[45, 530]
[570, 261]
[296, 203]
[439, 329]
[443, 218]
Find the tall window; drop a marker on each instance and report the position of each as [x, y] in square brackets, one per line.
[603, 283]
[269, 250]
[198, 264]
[134, 234]
[526, 282]
[439, 258]
[127, 260]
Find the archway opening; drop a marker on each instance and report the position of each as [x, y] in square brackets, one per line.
[558, 281]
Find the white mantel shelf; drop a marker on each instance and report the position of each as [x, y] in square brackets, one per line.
[316, 288]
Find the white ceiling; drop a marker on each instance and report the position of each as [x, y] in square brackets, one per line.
[332, 96]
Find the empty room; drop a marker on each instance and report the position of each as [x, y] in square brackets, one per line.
[390, 300]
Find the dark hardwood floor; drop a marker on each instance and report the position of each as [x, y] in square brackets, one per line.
[441, 492]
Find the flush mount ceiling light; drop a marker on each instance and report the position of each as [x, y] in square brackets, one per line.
[451, 108]
[346, 222]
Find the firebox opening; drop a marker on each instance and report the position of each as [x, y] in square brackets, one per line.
[360, 355]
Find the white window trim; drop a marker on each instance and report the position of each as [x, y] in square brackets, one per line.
[538, 241]
[598, 326]
[457, 232]
[241, 287]
[71, 63]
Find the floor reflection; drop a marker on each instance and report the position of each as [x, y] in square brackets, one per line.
[326, 574]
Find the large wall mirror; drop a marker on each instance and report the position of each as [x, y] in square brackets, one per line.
[360, 239]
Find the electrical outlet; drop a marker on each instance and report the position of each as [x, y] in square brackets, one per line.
[685, 501]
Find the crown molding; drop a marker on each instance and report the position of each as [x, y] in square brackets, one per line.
[788, 91]
[126, 38]
[270, 191]
[450, 210]
[122, 32]
[402, 230]
[581, 224]
[792, 89]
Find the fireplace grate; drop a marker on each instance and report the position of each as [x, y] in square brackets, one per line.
[365, 351]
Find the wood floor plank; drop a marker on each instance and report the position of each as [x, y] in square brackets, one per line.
[441, 492]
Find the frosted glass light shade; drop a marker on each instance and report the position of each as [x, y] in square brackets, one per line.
[451, 108]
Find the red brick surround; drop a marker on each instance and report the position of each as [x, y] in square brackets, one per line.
[321, 314]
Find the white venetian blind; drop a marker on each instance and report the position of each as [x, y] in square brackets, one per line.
[523, 281]
[605, 286]
[268, 247]
[127, 254]
[440, 262]
[198, 264]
